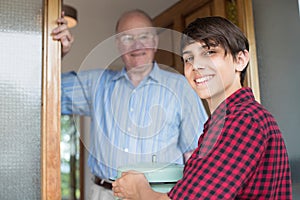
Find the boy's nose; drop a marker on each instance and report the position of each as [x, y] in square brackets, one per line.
[197, 66]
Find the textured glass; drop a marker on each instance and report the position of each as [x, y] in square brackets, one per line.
[20, 99]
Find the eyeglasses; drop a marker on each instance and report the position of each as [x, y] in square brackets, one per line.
[144, 38]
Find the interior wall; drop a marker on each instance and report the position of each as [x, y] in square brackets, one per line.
[277, 31]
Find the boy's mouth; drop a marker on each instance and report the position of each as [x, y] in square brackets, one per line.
[203, 79]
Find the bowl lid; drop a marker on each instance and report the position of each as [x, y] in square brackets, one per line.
[156, 172]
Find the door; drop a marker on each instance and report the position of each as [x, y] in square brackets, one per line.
[29, 100]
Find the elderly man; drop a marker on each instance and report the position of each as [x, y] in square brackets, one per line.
[135, 113]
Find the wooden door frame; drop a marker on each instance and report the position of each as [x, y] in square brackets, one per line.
[246, 19]
[50, 128]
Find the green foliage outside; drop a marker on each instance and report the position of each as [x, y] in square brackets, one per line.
[69, 149]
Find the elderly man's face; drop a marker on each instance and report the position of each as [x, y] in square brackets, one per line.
[137, 41]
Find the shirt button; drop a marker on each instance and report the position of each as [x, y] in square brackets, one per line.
[128, 129]
[126, 149]
[131, 109]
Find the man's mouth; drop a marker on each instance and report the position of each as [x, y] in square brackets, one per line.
[137, 53]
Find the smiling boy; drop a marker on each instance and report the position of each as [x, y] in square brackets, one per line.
[241, 154]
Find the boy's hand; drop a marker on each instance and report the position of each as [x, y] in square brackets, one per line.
[133, 185]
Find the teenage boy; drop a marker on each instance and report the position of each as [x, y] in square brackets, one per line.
[241, 154]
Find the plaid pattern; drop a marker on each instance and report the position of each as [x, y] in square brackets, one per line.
[241, 155]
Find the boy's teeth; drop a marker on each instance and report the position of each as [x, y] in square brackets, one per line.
[199, 80]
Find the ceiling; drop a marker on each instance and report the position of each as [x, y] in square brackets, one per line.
[96, 22]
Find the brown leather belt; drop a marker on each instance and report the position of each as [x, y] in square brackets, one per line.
[102, 183]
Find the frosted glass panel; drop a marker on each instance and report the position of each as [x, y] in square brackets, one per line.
[20, 99]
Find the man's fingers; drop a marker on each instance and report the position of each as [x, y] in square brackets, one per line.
[64, 35]
[70, 37]
[62, 20]
[60, 28]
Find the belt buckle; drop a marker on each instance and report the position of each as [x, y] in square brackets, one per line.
[103, 182]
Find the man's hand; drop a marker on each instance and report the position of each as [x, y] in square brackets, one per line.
[63, 34]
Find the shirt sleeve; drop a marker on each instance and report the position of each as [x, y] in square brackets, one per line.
[76, 92]
[221, 172]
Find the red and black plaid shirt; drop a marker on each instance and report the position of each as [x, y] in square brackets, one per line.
[241, 155]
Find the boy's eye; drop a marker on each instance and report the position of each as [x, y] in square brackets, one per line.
[209, 52]
[189, 59]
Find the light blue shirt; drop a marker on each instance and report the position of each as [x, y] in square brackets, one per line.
[162, 116]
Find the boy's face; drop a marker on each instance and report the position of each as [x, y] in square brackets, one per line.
[211, 74]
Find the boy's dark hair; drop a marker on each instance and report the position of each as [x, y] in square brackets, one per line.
[214, 31]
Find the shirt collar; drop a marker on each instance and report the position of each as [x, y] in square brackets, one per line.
[240, 96]
[120, 74]
[155, 74]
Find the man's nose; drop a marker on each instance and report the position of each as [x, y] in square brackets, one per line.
[137, 44]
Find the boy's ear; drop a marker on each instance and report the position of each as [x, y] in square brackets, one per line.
[242, 59]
